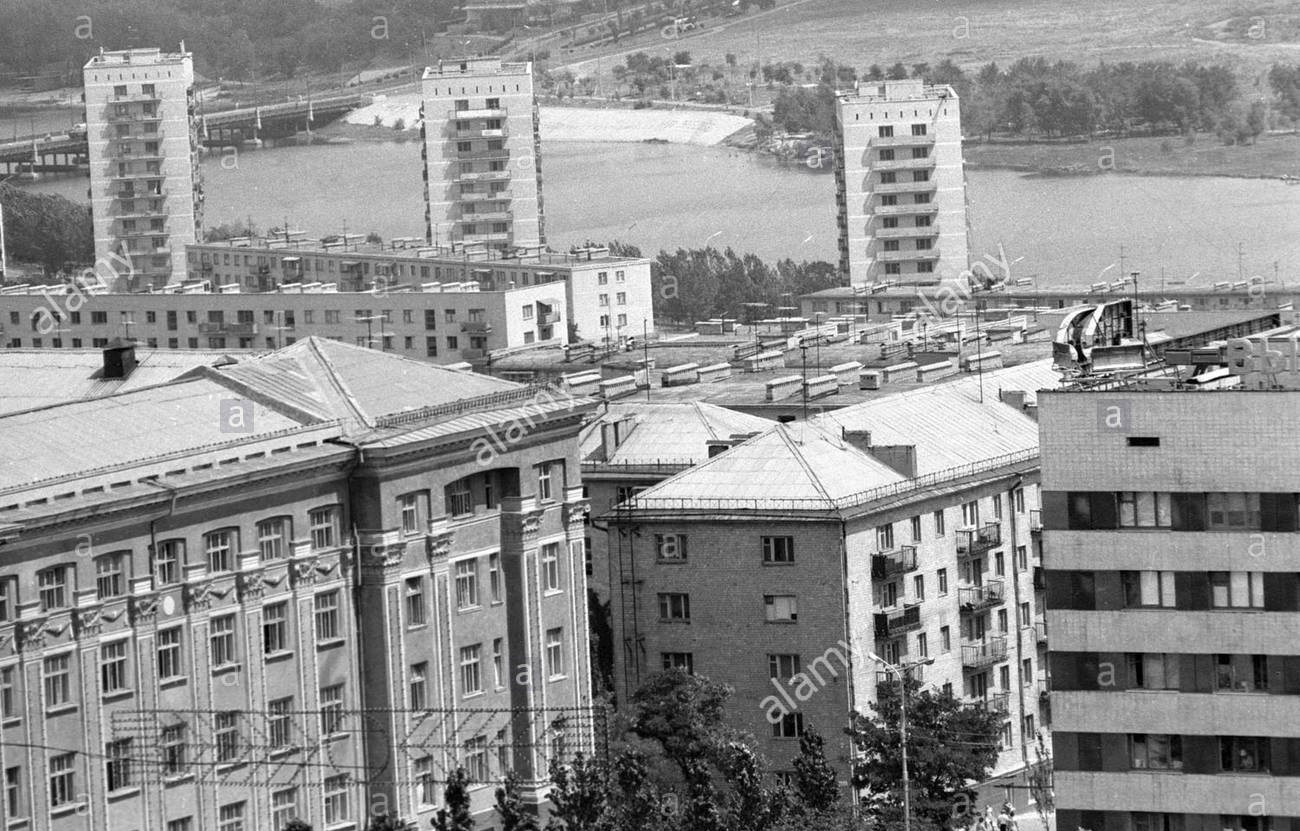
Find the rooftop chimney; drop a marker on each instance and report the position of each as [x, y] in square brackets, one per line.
[119, 358]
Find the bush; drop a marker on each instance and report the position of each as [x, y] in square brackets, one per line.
[399, 124]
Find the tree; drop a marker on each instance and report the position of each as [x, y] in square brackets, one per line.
[578, 795]
[897, 72]
[750, 806]
[296, 824]
[814, 779]
[46, 229]
[455, 816]
[950, 744]
[702, 811]
[636, 803]
[388, 822]
[515, 816]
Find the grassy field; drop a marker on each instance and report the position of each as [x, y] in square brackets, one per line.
[1272, 156]
[1248, 37]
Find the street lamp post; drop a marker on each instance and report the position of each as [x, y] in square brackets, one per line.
[902, 728]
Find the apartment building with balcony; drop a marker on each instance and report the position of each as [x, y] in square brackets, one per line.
[146, 191]
[899, 184]
[482, 154]
[1169, 542]
[259, 592]
[901, 526]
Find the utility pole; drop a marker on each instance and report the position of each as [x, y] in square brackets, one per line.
[4, 263]
[902, 725]
[803, 347]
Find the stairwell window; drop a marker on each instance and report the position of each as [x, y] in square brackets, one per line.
[778, 550]
[781, 608]
[675, 606]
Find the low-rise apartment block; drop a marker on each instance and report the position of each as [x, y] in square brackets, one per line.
[901, 527]
[288, 586]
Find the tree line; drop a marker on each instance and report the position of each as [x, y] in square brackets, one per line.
[1035, 98]
[46, 229]
[675, 765]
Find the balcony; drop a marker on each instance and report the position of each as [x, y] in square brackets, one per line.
[993, 702]
[499, 155]
[473, 354]
[1040, 632]
[902, 141]
[972, 541]
[472, 196]
[902, 164]
[232, 329]
[136, 96]
[903, 187]
[979, 655]
[548, 318]
[904, 233]
[889, 624]
[906, 256]
[495, 236]
[476, 327]
[898, 210]
[915, 672]
[482, 176]
[1040, 579]
[463, 115]
[899, 561]
[487, 216]
[137, 174]
[128, 118]
[480, 132]
[142, 232]
[976, 598]
[1035, 521]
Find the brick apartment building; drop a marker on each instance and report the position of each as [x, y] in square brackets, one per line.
[901, 526]
[1169, 520]
[262, 590]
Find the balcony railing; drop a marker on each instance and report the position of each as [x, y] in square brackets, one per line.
[972, 541]
[897, 210]
[1040, 631]
[548, 318]
[235, 329]
[462, 115]
[986, 653]
[904, 187]
[974, 598]
[478, 327]
[136, 96]
[1035, 521]
[902, 141]
[889, 624]
[1040, 579]
[501, 154]
[903, 164]
[488, 216]
[480, 132]
[903, 233]
[899, 561]
[482, 176]
[904, 256]
[994, 702]
[916, 673]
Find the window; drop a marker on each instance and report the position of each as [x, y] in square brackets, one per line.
[13, 792]
[168, 557]
[169, 654]
[778, 550]
[555, 653]
[789, 727]
[8, 598]
[279, 723]
[225, 732]
[494, 577]
[336, 799]
[621, 298]
[467, 584]
[1236, 589]
[1024, 614]
[222, 641]
[498, 664]
[112, 667]
[409, 506]
[781, 608]
[220, 548]
[1022, 558]
[922, 646]
[885, 131]
[53, 586]
[550, 477]
[1244, 754]
[889, 593]
[415, 612]
[943, 581]
[1156, 751]
[945, 639]
[1018, 498]
[182, 824]
[327, 616]
[999, 564]
[471, 680]
[918, 129]
[916, 528]
[1148, 588]
[331, 710]
[57, 670]
[918, 587]
[425, 779]
[117, 764]
[1002, 622]
[323, 524]
[284, 807]
[476, 759]
[970, 513]
[551, 567]
[1241, 673]
[108, 575]
[670, 547]
[272, 538]
[275, 622]
[885, 538]
[675, 606]
[8, 694]
[63, 785]
[685, 661]
[1152, 670]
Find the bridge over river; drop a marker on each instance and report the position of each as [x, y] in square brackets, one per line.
[66, 152]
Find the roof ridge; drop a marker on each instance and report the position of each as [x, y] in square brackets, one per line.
[332, 376]
[707, 462]
[704, 419]
[798, 455]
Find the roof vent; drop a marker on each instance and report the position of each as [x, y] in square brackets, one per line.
[119, 358]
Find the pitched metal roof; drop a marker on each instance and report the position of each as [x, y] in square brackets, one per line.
[668, 432]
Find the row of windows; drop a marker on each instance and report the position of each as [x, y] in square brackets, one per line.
[1148, 821]
[1117, 752]
[672, 548]
[220, 549]
[971, 572]
[1107, 510]
[470, 663]
[970, 518]
[778, 608]
[115, 676]
[1184, 672]
[1183, 590]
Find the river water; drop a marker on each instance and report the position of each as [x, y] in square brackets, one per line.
[1060, 231]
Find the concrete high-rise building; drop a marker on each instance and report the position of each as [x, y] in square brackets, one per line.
[899, 187]
[482, 154]
[1173, 595]
[146, 195]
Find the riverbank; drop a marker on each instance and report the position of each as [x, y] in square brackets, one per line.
[1274, 156]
